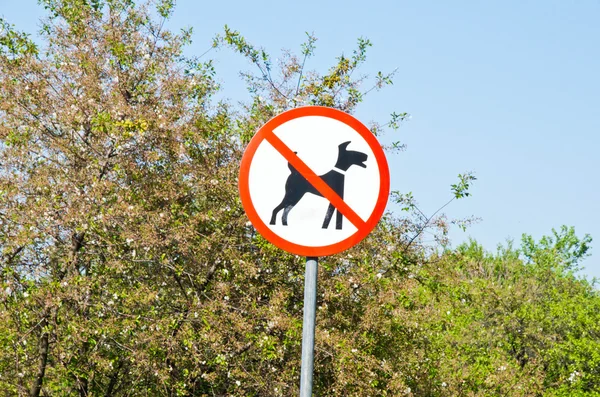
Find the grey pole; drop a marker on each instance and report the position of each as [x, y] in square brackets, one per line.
[308, 327]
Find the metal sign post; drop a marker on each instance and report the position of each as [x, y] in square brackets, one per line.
[320, 152]
[308, 326]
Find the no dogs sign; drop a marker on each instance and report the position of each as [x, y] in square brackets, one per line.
[314, 181]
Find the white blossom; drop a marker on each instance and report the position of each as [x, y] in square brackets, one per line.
[573, 376]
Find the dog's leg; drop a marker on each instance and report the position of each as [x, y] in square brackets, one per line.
[288, 203]
[286, 211]
[276, 211]
[328, 216]
[295, 188]
[338, 215]
[338, 219]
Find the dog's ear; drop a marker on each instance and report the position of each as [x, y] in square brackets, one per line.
[344, 145]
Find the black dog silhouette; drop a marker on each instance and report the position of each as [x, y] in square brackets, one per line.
[297, 186]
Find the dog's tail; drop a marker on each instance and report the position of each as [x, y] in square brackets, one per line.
[291, 167]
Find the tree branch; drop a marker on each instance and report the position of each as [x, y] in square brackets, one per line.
[36, 388]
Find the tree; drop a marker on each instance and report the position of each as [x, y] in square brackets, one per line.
[113, 160]
[518, 324]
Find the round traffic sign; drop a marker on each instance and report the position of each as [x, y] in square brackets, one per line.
[314, 181]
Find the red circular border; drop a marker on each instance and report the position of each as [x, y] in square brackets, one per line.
[384, 185]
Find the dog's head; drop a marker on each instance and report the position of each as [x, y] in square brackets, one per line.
[348, 158]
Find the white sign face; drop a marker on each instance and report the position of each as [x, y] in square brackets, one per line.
[314, 181]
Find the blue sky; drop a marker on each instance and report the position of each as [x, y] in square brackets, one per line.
[507, 89]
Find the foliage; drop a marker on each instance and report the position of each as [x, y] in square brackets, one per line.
[129, 268]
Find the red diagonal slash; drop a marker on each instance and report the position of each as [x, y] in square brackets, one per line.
[315, 180]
